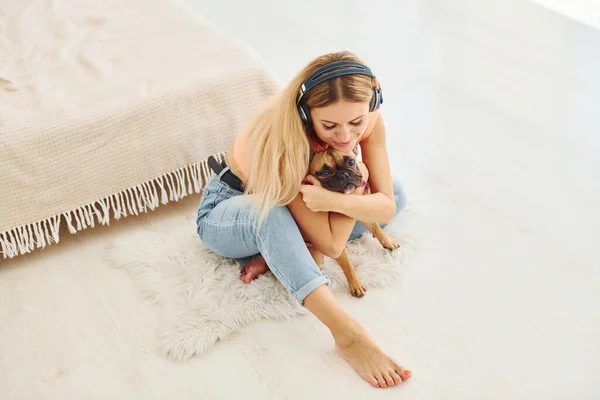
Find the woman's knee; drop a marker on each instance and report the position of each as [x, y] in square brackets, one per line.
[278, 218]
[399, 196]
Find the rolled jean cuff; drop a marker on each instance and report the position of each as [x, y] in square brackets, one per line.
[310, 286]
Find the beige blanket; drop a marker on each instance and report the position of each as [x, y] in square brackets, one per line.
[108, 108]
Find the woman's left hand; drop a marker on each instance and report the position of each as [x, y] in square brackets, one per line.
[315, 197]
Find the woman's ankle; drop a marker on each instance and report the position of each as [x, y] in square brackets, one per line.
[345, 335]
[327, 309]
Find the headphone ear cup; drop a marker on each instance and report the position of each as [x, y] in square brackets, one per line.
[304, 112]
[373, 102]
[376, 100]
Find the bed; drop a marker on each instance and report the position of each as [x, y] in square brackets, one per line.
[111, 108]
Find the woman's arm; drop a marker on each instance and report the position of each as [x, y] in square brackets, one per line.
[379, 206]
[327, 231]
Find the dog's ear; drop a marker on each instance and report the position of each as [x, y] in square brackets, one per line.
[355, 150]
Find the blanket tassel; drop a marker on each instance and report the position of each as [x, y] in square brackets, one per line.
[166, 188]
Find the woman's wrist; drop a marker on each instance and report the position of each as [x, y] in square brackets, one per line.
[337, 202]
[342, 200]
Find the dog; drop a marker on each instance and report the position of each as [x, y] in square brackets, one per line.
[340, 172]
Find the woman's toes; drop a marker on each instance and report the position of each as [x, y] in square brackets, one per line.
[388, 379]
[382, 382]
[396, 377]
[404, 373]
[373, 381]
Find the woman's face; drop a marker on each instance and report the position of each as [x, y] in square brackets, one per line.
[341, 124]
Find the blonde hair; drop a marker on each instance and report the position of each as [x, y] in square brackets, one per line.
[282, 151]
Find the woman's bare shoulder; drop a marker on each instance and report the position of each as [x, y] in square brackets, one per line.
[374, 120]
[242, 152]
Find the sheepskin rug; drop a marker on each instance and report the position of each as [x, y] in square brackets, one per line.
[200, 299]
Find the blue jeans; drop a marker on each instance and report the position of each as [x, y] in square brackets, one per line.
[226, 226]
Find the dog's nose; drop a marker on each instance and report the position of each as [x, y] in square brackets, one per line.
[344, 175]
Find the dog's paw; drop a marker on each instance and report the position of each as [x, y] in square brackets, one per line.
[357, 289]
[389, 244]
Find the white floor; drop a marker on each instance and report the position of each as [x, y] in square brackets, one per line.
[492, 114]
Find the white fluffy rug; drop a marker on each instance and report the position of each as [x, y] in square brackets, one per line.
[199, 295]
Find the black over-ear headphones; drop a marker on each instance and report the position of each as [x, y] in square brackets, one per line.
[330, 71]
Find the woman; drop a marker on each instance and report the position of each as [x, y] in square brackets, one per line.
[261, 203]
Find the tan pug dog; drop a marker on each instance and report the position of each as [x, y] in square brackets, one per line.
[340, 172]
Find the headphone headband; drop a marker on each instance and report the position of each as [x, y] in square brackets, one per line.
[330, 71]
[333, 70]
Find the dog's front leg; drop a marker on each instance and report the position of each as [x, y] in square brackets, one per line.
[356, 286]
[384, 239]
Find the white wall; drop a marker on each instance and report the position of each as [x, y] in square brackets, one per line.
[586, 11]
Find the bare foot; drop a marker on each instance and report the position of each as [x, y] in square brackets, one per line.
[255, 267]
[371, 363]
